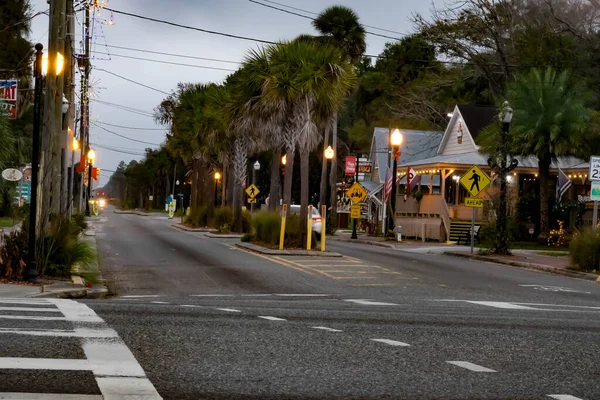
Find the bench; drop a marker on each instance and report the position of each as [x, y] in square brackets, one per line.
[466, 235]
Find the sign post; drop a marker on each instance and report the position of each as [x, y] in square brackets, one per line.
[252, 191]
[323, 226]
[282, 232]
[309, 228]
[475, 181]
[594, 176]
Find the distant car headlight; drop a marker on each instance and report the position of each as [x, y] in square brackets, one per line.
[102, 202]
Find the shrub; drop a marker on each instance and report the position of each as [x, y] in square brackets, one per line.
[292, 231]
[199, 219]
[79, 223]
[585, 249]
[247, 237]
[58, 251]
[267, 226]
[13, 253]
[224, 218]
[246, 221]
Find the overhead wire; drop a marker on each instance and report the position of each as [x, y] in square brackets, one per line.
[189, 27]
[172, 54]
[131, 80]
[130, 127]
[166, 62]
[124, 136]
[124, 108]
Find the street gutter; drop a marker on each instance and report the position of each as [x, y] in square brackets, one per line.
[532, 266]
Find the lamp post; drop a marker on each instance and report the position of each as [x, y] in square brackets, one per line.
[217, 179]
[500, 165]
[396, 139]
[38, 68]
[329, 154]
[256, 168]
[91, 155]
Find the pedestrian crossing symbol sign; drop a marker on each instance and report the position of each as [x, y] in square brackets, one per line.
[252, 191]
[357, 193]
[475, 180]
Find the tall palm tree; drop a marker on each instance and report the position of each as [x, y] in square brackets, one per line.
[340, 27]
[550, 120]
[315, 77]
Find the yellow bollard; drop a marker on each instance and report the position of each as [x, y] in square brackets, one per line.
[282, 233]
[309, 227]
[323, 227]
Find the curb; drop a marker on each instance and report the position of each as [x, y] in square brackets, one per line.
[360, 241]
[63, 294]
[188, 229]
[537, 267]
[305, 253]
[210, 234]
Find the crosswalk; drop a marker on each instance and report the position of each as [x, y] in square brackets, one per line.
[55, 322]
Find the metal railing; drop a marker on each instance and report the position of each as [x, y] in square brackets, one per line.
[445, 213]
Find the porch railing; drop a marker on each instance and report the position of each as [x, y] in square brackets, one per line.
[445, 214]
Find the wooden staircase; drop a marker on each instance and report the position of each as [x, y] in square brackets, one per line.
[458, 227]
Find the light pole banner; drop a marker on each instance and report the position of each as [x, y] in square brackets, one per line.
[350, 165]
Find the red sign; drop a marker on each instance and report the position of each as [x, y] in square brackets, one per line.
[8, 90]
[350, 165]
[8, 109]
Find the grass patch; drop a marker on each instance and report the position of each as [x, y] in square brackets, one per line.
[528, 246]
[554, 253]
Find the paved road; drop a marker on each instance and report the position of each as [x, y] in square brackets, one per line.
[197, 318]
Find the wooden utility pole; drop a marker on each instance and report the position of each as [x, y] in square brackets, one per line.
[69, 125]
[85, 115]
[50, 174]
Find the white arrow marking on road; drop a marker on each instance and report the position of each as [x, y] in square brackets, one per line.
[367, 302]
[391, 342]
[470, 366]
[229, 309]
[271, 318]
[563, 397]
[326, 329]
[501, 304]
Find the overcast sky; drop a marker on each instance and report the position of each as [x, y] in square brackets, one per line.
[238, 17]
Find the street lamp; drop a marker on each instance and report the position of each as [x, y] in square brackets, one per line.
[329, 154]
[91, 155]
[38, 67]
[499, 164]
[217, 179]
[60, 63]
[284, 159]
[396, 139]
[256, 168]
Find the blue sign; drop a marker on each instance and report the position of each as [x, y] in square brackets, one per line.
[180, 194]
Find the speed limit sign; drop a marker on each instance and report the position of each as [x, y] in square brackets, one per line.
[594, 168]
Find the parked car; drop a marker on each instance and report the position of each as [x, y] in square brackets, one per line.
[316, 218]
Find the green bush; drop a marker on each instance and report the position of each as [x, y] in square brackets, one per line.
[247, 237]
[246, 221]
[585, 250]
[79, 223]
[58, 251]
[223, 217]
[199, 219]
[292, 231]
[267, 226]
[13, 253]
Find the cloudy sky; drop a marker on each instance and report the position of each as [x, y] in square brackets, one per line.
[238, 17]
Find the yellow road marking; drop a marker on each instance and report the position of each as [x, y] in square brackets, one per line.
[278, 261]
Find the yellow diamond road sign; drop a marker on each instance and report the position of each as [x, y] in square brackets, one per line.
[475, 180]
[252, 191]
[357, 193]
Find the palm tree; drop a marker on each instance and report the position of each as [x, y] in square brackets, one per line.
[550, 121]
[340, 27]
[309, 77]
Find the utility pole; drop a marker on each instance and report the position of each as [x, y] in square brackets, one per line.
[84, 127]
[69, 90]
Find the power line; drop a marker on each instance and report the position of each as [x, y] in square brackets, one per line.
[124, 137]
[120, 151]
[166, 62]
[25, 20]
[124, 108]
[130, 127]
[313, 19]
[189, 27]
[123, 149]
[173, 54]
[131, 80]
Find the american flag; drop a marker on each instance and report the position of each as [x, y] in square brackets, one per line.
[563, 184]
[388, 185]
[412, 180]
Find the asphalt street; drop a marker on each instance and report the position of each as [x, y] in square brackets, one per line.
[193, 317]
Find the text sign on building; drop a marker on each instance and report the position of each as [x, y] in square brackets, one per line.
[350, 165]
[595, 191]
[364, 168]
[474, 202]
[594, 168]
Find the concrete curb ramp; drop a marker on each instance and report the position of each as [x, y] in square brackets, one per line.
[537, 267]
[306, 253]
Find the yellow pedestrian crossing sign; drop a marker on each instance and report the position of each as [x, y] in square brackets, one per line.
[357, 193]
[252, 191]
[475, 180]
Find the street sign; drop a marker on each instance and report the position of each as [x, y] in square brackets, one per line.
[474, 202]
[475, 180]
[357, 193]
[12, 174]
[595, 192]
[150, 197]
[364, 168]
[350, 165]
[594, 168]
[8, 90]
[355, 211]
[252, 201]
[252, 191]
[8, 109]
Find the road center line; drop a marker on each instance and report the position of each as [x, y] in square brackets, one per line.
[391, 342]
[229, 309]
[160, 302]
[190, 305]
[140, 296]
[367, 302]
[470, 366]
[301, 295]
[563, 397]
[271, 318]
[324, 328]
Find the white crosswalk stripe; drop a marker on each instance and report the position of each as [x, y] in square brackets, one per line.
[116, 371]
